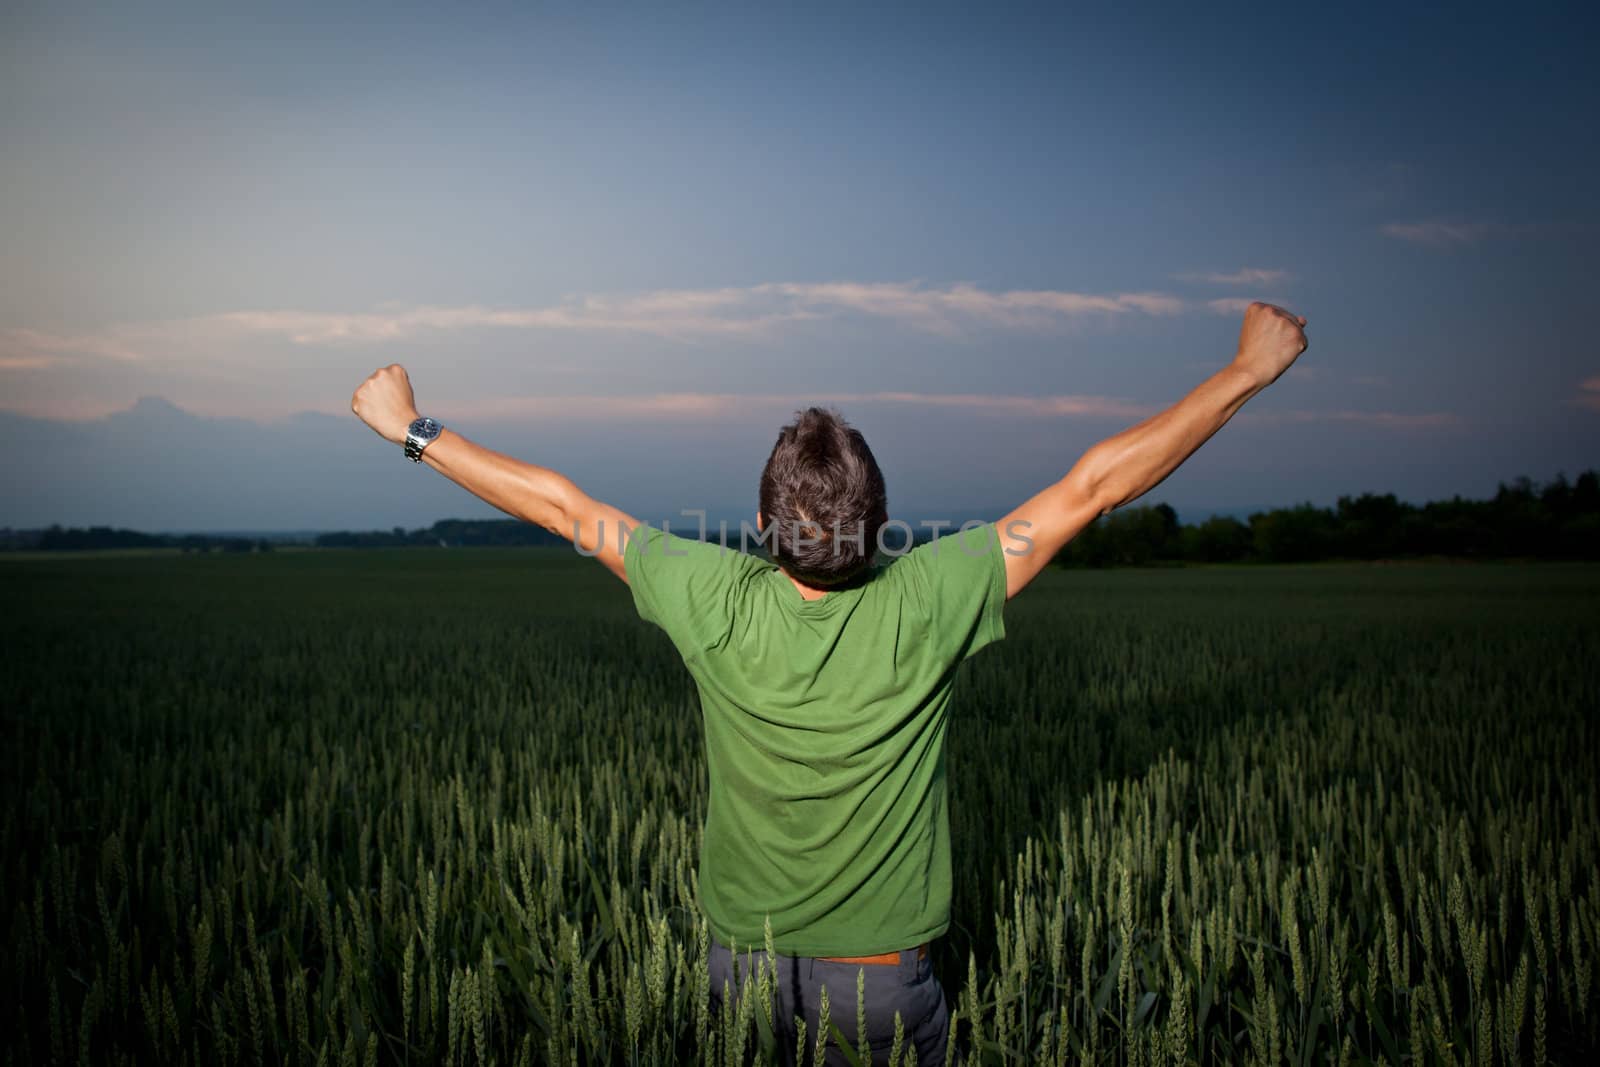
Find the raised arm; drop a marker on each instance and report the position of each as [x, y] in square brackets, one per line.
[523, 490]
[1123, 468]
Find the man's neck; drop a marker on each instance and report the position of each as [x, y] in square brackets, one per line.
[807, 592]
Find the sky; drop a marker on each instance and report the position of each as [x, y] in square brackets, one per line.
[629, 242]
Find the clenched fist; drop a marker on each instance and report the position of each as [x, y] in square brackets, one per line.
[385, 402]
[1270, 341]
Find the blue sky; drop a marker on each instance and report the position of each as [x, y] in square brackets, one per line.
[629, 243]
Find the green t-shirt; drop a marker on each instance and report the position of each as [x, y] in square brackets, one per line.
[824, 725]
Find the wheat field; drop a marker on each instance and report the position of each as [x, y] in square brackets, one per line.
[1322, 814]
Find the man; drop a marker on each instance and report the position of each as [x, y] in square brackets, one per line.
[825, 676]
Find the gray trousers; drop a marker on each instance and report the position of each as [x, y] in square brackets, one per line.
[908, 987]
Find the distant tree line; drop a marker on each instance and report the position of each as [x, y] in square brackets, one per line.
[446, 533]
[75, 539]
[1558, 520]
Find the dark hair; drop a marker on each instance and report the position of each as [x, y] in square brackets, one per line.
[822, 499]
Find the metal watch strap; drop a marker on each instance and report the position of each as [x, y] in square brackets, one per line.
[419, 435]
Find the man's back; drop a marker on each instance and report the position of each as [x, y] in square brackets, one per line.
[825, 723]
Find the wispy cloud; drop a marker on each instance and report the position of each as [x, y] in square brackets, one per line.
[735, 407]
[677, 406]
[27, 362]
[34, 348]
[1242, 276]
[1438, 234]
[673, 406]
[666, 313]
[1075, 406]
[1393, 420]
[1230, 305]
[1443, 234]
[739, 312]
[1589, 393]
[748, 312]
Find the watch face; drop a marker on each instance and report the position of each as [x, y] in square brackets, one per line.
[425, 428]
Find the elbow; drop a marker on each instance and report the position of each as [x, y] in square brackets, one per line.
[1089, 484]
[549, 506]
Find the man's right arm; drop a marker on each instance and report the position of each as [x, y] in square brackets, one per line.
[1124, 467]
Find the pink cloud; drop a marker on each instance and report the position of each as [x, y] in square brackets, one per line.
[1589, 393]
[1443, 234]
[32, 362]
[1242, 276]
[749, 312]
[1394, 420]
[669, 406]
[35, 348]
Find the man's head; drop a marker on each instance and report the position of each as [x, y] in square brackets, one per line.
[822, 496]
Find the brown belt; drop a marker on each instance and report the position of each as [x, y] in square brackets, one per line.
[887, 958]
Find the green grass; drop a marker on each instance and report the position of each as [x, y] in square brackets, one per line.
[1207, 814]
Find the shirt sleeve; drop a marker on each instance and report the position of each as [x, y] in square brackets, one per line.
[686, 587]
[960, 579]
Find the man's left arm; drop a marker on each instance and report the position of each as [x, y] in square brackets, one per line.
[523, 490]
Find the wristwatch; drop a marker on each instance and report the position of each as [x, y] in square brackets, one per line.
[419, 435]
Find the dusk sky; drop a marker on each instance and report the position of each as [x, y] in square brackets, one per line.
[630, 245]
